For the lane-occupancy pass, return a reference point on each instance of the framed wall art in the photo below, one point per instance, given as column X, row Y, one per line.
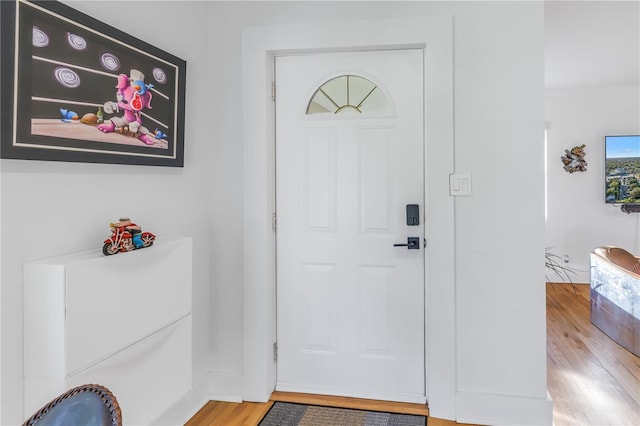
column 73, row 88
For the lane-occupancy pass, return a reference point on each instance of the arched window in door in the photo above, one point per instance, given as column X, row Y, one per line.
column 348, row 94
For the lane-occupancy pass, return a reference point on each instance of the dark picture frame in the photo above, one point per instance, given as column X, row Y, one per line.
column 73, row 88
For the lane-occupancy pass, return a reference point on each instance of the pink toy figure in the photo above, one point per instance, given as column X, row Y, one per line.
column 133, row 95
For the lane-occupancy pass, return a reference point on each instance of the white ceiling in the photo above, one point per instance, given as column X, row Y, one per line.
column 592, row 43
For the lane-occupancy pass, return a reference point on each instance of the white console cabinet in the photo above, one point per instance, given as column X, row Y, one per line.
column 122, row 321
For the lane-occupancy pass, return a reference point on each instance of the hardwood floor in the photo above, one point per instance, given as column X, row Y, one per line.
column 227, row 413
column 218, row 413
column 592, row 379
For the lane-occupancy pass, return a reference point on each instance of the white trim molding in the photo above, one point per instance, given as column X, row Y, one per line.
column 481, row 408
column 434, row 34
column 213, row 386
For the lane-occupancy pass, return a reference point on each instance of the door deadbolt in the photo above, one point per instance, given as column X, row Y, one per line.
column 413, row 215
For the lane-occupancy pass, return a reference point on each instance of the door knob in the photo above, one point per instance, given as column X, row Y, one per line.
column 413, row 243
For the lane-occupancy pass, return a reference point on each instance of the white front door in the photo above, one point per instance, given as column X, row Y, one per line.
column 349, row 159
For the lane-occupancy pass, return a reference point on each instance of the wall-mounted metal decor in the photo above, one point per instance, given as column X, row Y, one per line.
column 574, row 160
column 76, row 89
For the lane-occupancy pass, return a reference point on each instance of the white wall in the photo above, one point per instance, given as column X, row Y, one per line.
column 499, row 230
column 578, row 218
column 499, row 116
column 54, row 208
column 50, row 208
column 500, row 306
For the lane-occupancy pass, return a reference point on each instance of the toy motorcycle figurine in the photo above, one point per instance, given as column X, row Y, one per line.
column 126, row 236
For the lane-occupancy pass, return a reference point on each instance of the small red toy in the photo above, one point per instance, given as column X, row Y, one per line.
column 126, row 236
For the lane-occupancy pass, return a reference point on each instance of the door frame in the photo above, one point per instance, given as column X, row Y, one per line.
column 259, row 48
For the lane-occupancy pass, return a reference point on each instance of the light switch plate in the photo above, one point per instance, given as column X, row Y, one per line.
column 460, row 184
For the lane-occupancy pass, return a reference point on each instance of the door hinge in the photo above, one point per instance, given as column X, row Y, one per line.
column 274, row 221
column 275, row 351
column 273, row 91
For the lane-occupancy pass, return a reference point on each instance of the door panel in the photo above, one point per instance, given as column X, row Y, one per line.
column 320, row 179
column 350, row 305
column 375, row 187
column 321, row 309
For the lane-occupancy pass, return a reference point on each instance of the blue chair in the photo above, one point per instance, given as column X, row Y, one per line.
column 86, row 405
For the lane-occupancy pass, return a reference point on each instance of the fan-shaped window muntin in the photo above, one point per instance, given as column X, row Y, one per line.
column 348, row 94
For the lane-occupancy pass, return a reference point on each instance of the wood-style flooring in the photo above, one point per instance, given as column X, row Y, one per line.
column 592, row 380
column 217, row 413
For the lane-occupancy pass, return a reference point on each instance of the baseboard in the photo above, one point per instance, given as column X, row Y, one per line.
column 226, row 386
column 491, row 409
column 187, row 406
column 213, row 386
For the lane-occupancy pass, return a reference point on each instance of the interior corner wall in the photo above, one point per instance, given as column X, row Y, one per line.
column 578, row 220
column 55, row 208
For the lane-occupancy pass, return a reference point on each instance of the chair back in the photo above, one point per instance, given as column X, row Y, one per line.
column 620, row 257
column 86, row 405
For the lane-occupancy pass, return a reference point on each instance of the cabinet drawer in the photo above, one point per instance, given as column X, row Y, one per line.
column 148, row 377
column 113, row 302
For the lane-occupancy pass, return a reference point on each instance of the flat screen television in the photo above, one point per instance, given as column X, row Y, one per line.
column 622, row 169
